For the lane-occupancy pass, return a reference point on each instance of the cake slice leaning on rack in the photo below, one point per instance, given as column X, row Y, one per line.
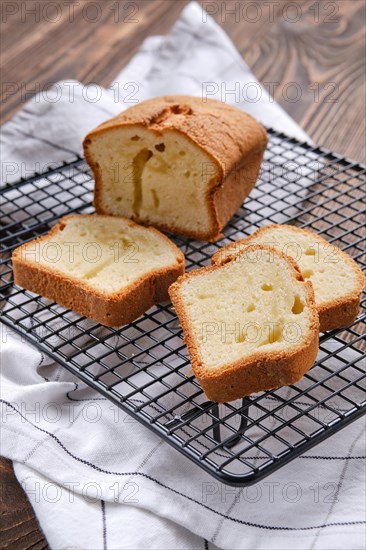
column 337, row 279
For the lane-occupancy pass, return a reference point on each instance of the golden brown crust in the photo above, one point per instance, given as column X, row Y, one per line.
column 229, row 197
column 234, row 140
column 337, row 313
column 111, row 310
column 262, row 370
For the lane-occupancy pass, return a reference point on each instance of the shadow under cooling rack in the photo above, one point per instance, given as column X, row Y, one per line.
column 144, row 368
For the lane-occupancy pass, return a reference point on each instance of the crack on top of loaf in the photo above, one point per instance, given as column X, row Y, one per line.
column 170, row 111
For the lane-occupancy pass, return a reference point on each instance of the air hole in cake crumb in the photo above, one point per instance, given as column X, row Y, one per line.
column 135, row 138
column 160, row 147
column 187, row 174
column 310, row 252
column 181, row 110
column 275, row 335
column 298, row 306
column 118, row 199
column 182, row 153
column 138, row 164
column 155, row 198
column 307, row 273
column 250, row 308
column 267, row 286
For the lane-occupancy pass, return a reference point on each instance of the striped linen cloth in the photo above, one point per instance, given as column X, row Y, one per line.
column 95, row 477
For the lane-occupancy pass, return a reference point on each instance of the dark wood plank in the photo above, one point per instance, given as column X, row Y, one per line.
column 19, row 527
column 74, row 47
column 324, row 54
column 319, row 46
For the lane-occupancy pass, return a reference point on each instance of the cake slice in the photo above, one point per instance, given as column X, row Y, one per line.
column 107, row 268
column 250, row 324
column 337, row 280
column 179, row 163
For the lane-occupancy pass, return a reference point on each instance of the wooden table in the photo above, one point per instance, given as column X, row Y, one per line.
column 309, row 54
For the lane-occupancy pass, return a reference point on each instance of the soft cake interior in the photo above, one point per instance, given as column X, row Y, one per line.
column 157, row 179
column 319, row 262
column 244, row 307
column 106, row 254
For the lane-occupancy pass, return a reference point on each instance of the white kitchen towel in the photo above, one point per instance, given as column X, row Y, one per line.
column 95, row 477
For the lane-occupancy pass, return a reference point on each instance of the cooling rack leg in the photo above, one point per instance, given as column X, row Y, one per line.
column 235, row 439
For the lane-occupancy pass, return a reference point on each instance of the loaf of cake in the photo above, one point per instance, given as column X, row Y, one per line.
column 250, row 324
column 181, row 164
column 337, row 280
column 107, row 268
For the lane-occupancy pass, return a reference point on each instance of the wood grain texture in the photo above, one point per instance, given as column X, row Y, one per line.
column 310, row 54
column 19, row 527
column 319, row 46
column 324, row 54
column 69, row 45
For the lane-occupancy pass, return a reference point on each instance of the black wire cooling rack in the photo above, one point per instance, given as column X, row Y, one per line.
column 143, row 367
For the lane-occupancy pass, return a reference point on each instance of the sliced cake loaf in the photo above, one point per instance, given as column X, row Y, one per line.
column 106, row 268
column 179, row 163
column 249, row 324
column 337, row 280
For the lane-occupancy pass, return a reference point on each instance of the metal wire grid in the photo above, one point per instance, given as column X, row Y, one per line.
column 144, row 368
